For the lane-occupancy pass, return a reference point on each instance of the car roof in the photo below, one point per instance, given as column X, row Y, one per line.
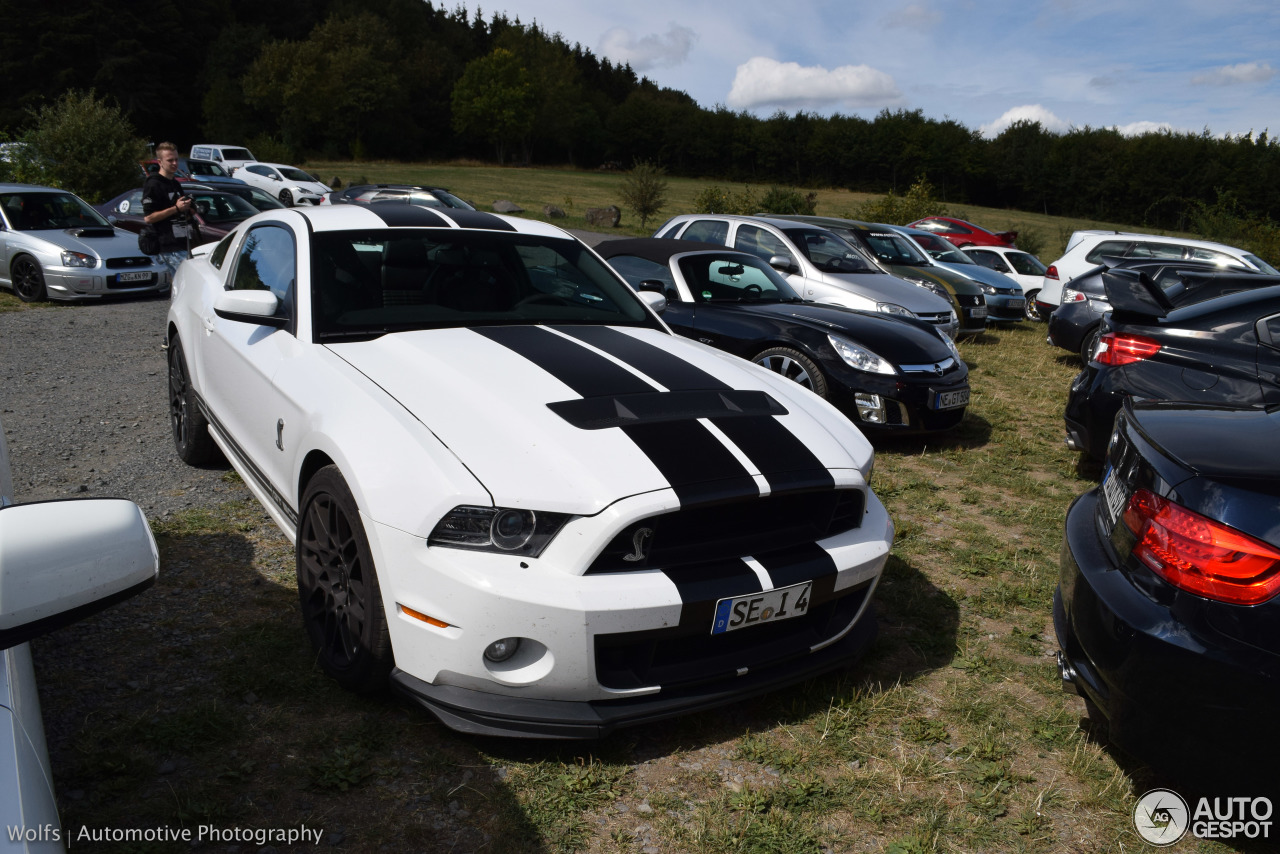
column 660, row 249
column 826, row 221
column 1168, row 238
column 767, row 220
column 392, row 215
column 26, row 188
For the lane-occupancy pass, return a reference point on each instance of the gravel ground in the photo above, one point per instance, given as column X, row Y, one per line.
column 84, row 405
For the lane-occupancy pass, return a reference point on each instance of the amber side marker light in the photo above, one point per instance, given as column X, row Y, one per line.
column 418, row 615
column 1197, row 554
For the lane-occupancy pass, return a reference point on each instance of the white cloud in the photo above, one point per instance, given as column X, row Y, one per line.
column 1233, row 75
column 913, row 16
column 762, row 82
column 1026, row 113
column 647, row 52
column 1139, row 128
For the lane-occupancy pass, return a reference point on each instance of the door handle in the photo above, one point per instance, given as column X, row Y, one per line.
column 209, row 323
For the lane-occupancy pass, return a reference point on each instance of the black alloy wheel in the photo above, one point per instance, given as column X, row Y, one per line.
column 338, row 587
column 795, row 366
column 286, row 198
column 1090, row 341
column 28, row 280
column 191, row 437
column 1029, row 309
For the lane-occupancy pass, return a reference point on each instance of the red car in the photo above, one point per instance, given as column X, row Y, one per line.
column 963, row 233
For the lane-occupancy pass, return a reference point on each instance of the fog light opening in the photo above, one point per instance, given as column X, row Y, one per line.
column 870, row 408
column 501, row 650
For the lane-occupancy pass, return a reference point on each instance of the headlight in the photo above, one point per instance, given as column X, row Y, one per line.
column 78, row 259
column 928, row 286
column 951, row 345
column 989, row 289
column 893, row 308
column 857, row 356
column 497, row 529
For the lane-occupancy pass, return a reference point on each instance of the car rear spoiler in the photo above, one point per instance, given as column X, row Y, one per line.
column 1131, row 292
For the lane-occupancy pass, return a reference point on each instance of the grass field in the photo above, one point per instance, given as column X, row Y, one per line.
column 199, row 702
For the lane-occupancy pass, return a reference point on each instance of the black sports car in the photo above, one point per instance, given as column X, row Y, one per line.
column 1166, row 610
column 1223, row 351
column 1075, row 324
column 887, row 373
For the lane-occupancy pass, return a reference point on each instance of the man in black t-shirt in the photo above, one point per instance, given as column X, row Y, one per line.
column 166, row 210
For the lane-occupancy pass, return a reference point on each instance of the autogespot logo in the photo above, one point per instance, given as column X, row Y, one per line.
column 1161, row 817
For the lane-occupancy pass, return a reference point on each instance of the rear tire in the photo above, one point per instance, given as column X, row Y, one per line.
column 1090, row 341
column 191, row 437
column 28, row 280
column 795, row 366
column 338, row 587
column 1029, row 309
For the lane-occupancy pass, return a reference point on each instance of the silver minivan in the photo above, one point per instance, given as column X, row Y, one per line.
column 230, row 157
column 819, row 264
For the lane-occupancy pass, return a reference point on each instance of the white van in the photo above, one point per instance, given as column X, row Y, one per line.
column 230, row 157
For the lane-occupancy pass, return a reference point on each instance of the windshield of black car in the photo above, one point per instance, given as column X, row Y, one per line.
column 828, row 252
column 365, row 283
column 42, row 211
column 941, row 249
column 217, row 208
column 206, row 167
column 734, row 278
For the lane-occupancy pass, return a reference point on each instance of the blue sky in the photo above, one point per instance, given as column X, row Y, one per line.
column 1131, row 64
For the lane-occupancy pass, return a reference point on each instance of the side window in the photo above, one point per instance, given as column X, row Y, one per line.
column 219, row 253
column 708, row 231
column 1222, row 259
column 991, row 260
column 759, row 242
column 259, row 170
column 1115, row 248
column 1156, row 250
column 636, row 270
column 268, row 262
column 1269, row 330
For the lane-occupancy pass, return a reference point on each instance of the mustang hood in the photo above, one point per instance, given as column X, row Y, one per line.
column 574, row 418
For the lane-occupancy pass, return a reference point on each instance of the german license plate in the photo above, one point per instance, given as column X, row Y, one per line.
column 950, row 399
column 980, row 311
column 756, row 608
column 135, row 276
column 1017, row 302
column 1114, row 499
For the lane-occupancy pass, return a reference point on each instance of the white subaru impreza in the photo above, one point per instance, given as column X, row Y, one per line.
column 514, row 493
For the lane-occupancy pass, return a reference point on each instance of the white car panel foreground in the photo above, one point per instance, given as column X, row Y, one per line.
column 59, row 562
column 515, row 494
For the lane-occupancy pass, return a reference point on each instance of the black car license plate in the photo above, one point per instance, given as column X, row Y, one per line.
column 949, row 399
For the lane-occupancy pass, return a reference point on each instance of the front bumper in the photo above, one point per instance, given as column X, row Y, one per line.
column 905, row 402
column 76, row 283
column 610, row 649
column 1005, row 308
column 1176, row 693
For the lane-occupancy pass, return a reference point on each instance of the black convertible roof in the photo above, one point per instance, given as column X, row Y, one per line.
column 659, row 249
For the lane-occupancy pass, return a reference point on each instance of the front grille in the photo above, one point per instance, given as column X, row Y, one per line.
column 971, row 299
column 686, row 655
column 938, row 319
column 126, row 263
column 731, row 529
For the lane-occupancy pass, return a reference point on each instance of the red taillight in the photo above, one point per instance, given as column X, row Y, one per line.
column 1051, row 273
column 1197, row 554
column 1120, row 349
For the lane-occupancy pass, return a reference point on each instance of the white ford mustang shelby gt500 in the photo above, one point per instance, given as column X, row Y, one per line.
column 513, row 492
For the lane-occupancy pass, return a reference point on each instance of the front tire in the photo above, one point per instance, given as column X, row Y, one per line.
column 190, row 428
column 338, row 587
column 286, row 198
column 28, row 280
column 795, row 366
column 1029, row 309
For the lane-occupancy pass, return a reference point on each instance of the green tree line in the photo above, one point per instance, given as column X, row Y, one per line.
column 410, row 80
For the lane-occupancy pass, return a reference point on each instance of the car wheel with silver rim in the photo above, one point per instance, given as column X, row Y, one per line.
column 1029, row 309
column 28, row 280
column 338, row 587
column 795, row 366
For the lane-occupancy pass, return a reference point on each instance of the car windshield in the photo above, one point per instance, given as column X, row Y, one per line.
column 367, row 283
column 237, row 154
column 295, row 174
column 1027, row 265
column 828, row 252
column 941, row 249
column 1263, row 266
column 43, row 211
column 217, row 208
column 734, row 277
column 204, row 167
column 892, row 248
column 263, row 201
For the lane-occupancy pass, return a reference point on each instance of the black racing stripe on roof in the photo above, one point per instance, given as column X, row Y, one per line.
column 807, row 562
column 587, row 373
column 397, row 215
column 478, row 219
column 784, row 460
column 668, row 370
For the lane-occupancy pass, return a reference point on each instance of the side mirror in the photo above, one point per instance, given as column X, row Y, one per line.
column 654, row 285
column 655, row 301
column 257, row 307
column 782, row 263
column 61, row 561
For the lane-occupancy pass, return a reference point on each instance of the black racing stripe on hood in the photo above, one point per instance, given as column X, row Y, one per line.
column 809, row 562
column 785, row 461
column 589, row 374
column 668, row 370
column 698, row 466
column 478, row 219
column 701, row 586
column 398, row 215
column 625, row 410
